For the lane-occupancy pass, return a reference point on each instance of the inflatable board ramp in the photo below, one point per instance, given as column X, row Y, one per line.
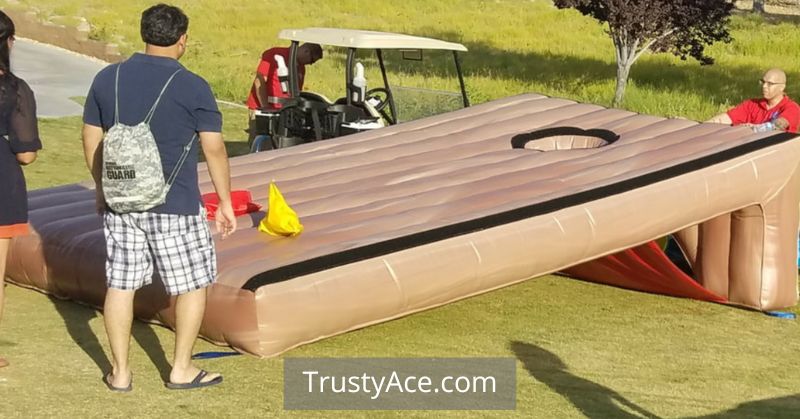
column 417, row 215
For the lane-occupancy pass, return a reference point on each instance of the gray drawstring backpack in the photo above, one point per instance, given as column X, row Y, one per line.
column 133, row 176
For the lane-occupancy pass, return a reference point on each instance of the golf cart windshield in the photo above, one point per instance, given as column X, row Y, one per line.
column 423, row 82
column 409, row 77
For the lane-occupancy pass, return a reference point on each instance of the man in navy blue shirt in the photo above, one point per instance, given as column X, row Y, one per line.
column 173, row 236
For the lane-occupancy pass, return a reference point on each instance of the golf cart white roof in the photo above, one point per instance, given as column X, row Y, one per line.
column 352, row 38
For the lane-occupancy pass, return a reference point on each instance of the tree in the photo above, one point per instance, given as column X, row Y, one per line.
column 682, row 27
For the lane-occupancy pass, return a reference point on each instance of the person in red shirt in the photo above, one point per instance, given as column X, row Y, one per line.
column 774, row 111
column 266, row 84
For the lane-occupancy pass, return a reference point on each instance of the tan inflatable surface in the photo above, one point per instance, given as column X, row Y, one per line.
column 420, row 214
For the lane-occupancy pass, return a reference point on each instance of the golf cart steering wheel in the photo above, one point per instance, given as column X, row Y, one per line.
column 383, row 97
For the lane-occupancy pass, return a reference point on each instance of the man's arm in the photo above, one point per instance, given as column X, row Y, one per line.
column 92, row 136
column 791, row 116
column 781, row 124
column 219, row 170
column 260, row 86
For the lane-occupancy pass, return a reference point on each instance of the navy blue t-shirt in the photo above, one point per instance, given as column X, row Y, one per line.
column 187, row 107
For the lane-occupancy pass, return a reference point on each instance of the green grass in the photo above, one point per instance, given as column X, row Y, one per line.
column 61, row 160
column 582, row 349
column 515, row 46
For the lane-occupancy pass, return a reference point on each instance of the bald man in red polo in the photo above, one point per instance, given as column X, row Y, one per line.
column 773, row 111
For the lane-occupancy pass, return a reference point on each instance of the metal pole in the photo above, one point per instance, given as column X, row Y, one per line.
column 390, row 97
column 461, row 80
column 294, row 90
column 349, row 75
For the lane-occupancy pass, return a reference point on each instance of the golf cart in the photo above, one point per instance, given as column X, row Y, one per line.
column 308, row 116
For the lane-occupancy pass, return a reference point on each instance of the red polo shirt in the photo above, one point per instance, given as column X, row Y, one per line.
column 269, row 69
column 754, row 111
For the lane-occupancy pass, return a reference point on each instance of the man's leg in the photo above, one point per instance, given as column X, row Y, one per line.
column 3, row 256
column 189, row 310
column 128, row 268
column 118, row 317
column 186, row 262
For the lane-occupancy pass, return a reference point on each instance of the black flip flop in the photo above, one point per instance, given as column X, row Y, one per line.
column 196, row 383
column 107, row 381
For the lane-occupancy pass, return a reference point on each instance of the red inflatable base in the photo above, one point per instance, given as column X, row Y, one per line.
column 643, row 268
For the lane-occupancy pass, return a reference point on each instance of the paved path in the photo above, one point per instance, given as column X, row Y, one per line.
column 55, row 75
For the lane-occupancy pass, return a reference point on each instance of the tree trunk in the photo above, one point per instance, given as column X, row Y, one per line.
column 758, row 6
column 623, row 70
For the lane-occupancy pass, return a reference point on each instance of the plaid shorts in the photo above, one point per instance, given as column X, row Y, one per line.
column 180, row 245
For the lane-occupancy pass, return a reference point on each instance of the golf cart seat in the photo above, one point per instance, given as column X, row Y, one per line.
column 313, row 96
column 347, row 113
column 300, row 121
column 344, row 119
column 365, row 107
column 311, row 118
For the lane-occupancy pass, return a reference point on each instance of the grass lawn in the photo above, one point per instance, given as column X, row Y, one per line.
column 583, row 350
